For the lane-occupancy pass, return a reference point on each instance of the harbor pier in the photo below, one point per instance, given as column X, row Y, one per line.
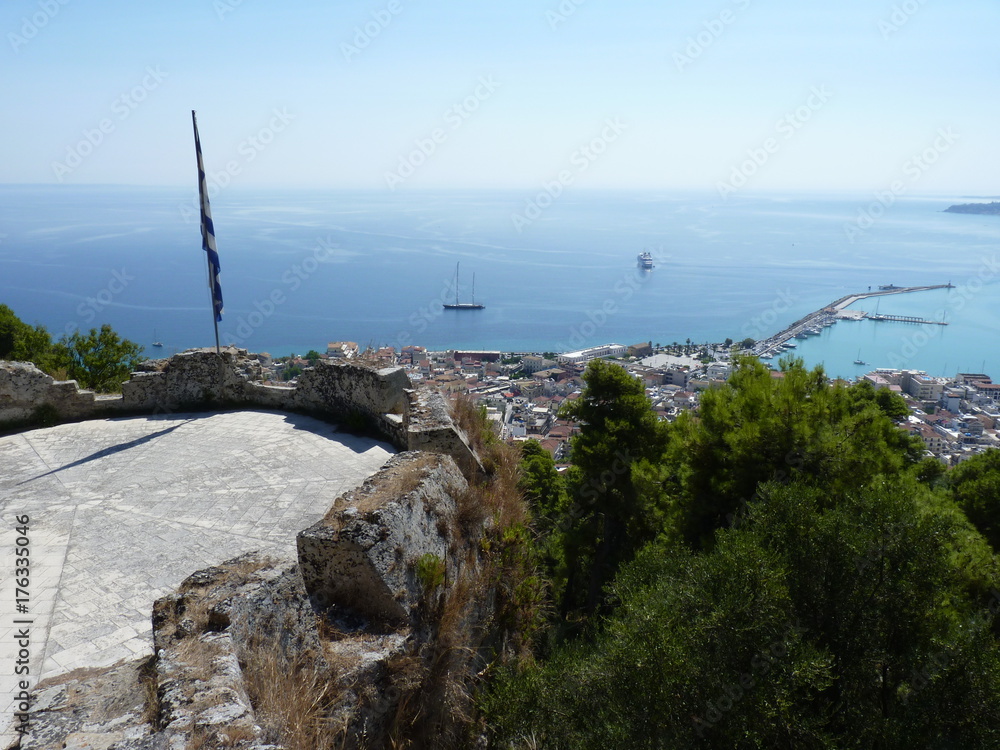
column 814, row 322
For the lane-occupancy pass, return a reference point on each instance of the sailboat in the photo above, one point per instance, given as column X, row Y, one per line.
column 464, row 305
column 155, row 342
column 859, row 361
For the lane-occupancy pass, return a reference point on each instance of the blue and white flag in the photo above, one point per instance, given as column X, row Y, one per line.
column 208, row 229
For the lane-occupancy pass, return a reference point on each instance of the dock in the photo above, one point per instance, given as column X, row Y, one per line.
column 905, row 319
column 812, row 323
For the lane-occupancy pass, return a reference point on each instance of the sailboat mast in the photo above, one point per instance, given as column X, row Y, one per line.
column 474, row 290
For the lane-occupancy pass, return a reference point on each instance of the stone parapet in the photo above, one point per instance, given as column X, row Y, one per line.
column 380, row 401
column 364, row 554
column 24, row 389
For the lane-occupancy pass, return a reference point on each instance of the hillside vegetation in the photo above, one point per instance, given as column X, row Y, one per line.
column 782, row 569
column 976, row 208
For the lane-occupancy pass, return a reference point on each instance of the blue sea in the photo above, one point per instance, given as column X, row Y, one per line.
column 302, row 268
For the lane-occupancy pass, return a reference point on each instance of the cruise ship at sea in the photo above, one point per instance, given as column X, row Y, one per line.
column 645, row 259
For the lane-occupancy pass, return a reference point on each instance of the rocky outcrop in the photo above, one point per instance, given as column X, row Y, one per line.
column 329, row 648
column 92, row 708
column 364, row 554
column 430, row 428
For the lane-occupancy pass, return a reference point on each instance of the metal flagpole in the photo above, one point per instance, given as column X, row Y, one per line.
column 208, row 238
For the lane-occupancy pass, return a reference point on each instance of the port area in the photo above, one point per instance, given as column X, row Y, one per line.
column 813, row 323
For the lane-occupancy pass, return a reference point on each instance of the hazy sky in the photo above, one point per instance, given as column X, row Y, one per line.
column 410, row 94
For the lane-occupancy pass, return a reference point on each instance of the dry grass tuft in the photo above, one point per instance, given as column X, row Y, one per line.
column 471, row 420
column 488, row 597
column 197, row 655
column 203, row 738
column 391, row 484
column 294, row 700
column 150, row 694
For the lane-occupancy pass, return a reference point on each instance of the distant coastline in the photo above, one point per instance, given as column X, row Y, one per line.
column 992, row 209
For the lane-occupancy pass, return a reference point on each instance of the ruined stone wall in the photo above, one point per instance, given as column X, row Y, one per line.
column 24, row 389
column 363, row 555
column 381, row 401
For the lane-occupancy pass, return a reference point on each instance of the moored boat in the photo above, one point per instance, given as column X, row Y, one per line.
column 464, row 305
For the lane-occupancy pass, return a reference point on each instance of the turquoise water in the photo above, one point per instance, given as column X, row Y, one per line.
column 301, row 268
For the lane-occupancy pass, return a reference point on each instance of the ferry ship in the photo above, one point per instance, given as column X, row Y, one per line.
column 645, row 260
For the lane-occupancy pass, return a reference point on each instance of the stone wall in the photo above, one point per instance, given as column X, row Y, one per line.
column 24, row 389
column 363, row 554
column 382, row 401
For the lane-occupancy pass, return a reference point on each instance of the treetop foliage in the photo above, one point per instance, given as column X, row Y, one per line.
column 99, row 359
column 780, row 569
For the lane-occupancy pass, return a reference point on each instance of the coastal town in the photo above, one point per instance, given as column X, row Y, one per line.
column 955, row 417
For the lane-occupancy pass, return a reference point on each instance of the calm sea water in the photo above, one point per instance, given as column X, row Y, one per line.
column 302, row 268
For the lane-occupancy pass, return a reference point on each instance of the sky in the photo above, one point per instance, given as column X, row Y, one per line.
column 858, row 95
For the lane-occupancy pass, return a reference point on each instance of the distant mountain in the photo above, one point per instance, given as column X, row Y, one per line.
column 976, row 208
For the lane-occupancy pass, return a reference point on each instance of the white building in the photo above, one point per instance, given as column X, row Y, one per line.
column 719, row 370
column 341, row 349
column 595, row 352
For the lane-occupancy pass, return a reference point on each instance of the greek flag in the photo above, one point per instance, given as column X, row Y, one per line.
column 208, row 229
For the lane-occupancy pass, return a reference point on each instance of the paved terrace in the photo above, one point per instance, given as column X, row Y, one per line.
column 122, row 510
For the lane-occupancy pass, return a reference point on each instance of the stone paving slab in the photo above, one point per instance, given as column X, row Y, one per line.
column 122, row 510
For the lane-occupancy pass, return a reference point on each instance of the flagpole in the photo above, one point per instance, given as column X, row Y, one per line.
column 208, row 238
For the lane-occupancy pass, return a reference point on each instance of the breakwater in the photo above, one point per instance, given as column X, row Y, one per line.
column 813, row 323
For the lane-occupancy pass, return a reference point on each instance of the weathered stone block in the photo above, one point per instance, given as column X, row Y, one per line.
column 363, row 554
